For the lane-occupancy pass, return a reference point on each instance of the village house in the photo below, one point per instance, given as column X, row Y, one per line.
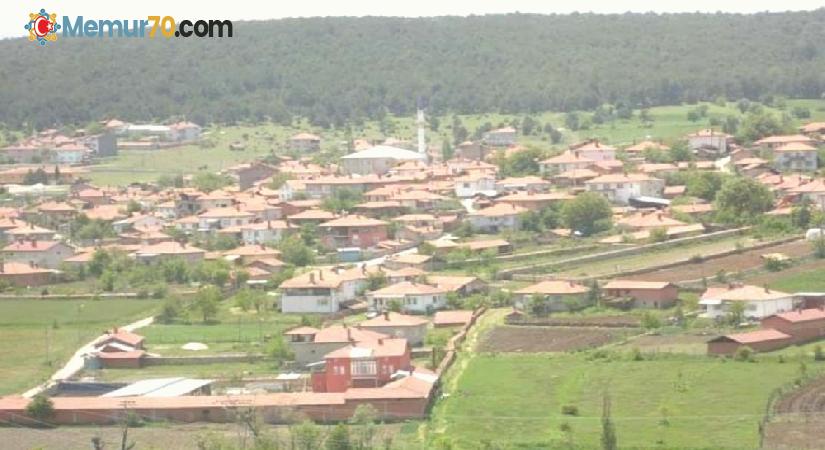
column 378, row 160
column 246, row 254
column 620, row 188
column 595, row 151
column 501, row 137
column 640, row 148
column 48, row 254
column 263, row 232
column 213, row 200
column 759, row 302
column 362, row 365
column 411, row 328
column 322, row 290
column 474, row 151
column 311, row 217
column 499, row 217
column 453, row 318
column 217, row 218
column 774, row 142
column 644, row 294
column 528, row 183
column 309, row 345
column 797, row 156
column 410, row 296
column 162, row 251
column 24, row 274
column 565, row 162
column 554, row 295
column 813, row 128
column 478, row 183
column 709, row 141
column 304, row 143
column 353, row 231
column 534, row 201
column 247, row 174
column 461, row 285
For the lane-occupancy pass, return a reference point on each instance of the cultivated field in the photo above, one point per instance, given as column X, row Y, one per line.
column 546, row 339
column 656, row 404
column 38, row 336
column 732, row 263
column 806, row 277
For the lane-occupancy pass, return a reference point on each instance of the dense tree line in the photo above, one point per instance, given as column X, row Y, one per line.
column 335, row 70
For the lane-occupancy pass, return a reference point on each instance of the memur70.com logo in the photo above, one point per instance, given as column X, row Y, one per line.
column 43, row 27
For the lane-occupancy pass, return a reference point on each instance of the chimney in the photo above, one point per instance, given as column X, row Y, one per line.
column 321, row 275
column 269, row 224
column 311, row 278
column 380, row 341
column 765, row 286
column 2, row 266
column 386, row 315
column 349, row 335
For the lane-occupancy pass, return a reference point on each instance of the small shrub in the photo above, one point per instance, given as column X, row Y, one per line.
column 570, row 410
column 744, row 354
column 636, row 355
column 819, row 355
column 696, row 259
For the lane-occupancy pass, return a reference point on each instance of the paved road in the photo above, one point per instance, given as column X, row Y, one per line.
column 75, row 363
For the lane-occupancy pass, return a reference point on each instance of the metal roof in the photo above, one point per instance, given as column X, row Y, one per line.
column 160, row 387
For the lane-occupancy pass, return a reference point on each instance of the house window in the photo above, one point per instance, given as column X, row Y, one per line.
column 322, row 302
column 363, row 368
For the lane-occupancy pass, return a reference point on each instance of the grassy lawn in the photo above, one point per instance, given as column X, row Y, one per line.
column 234, row 331
column 706, row 403
column 813, row 281
column 38, row 336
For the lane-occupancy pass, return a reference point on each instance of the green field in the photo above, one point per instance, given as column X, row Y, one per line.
column 813, row 281
column 673, row 402
column 669, row 123
column 38, row 336
column 234, row 331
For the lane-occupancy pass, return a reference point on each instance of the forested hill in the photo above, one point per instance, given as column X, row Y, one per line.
column 336, row 69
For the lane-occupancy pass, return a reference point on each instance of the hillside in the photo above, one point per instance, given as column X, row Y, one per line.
column 336, row 69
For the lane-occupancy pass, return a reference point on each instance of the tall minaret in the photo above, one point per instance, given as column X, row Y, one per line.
column 421, row 122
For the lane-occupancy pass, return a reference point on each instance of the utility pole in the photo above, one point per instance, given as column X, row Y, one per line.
column 124, row 439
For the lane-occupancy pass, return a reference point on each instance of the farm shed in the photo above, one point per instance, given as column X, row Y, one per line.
column 761, row 340
column 645, row 294
column 802, row 325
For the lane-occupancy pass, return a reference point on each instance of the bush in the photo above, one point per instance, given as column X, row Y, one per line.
column 636, row 355
column 819, row 355
column 40, row 408
column 570, row 410
column 744, row 354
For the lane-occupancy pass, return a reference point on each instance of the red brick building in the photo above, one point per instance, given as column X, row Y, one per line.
column 645, row 294
column 802, row 325
column 761, row 341
column 362, row 365
column 353, row 231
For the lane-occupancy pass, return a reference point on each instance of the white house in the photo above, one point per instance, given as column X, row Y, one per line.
column 620, row 188
column 378, row 160
column 759, row 301
column 48, row 254
column 477, row 183
column 321, row 291
column 261, row 232
column 708, row 139
column 224, row 218
column 412, row 296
